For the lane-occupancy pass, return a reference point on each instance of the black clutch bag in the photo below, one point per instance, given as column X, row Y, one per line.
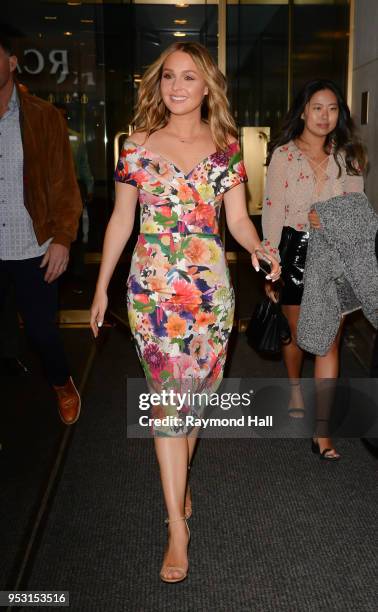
column 268, row 328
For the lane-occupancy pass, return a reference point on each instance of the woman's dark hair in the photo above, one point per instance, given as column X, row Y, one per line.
column 341, row 139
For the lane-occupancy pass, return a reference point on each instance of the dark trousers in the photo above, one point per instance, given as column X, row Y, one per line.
column 37, row 302
column 9, row 331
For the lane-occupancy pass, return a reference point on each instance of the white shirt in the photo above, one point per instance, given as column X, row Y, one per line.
column 17, row 237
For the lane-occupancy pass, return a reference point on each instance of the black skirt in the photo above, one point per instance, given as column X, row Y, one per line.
column 293, row 250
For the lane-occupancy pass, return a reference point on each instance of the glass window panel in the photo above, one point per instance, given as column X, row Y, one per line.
column 60, row 54
column 320, row 42
column 257, row 62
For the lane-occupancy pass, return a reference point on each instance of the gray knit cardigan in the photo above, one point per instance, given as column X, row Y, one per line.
column 341, row 273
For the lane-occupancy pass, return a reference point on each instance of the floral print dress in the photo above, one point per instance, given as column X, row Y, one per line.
column 180, row 299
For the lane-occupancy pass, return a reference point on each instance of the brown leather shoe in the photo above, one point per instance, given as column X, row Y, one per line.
column 69, row 402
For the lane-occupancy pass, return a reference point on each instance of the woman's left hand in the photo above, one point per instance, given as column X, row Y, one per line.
column 275, row 272
column 314, row 219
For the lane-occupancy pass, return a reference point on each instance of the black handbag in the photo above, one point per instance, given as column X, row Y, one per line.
column 268, row 328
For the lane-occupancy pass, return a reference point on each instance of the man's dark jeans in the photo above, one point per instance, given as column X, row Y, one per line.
column 37, row 302
column 9, row 331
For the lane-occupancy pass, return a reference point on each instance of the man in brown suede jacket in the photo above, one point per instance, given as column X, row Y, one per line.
column 40, row 207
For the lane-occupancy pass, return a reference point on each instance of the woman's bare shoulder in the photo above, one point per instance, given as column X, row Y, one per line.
column 138, row 137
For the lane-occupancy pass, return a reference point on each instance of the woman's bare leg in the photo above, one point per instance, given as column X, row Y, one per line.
column 173, row 456
column 293, row 358
column 192, row 441
column 327, row 368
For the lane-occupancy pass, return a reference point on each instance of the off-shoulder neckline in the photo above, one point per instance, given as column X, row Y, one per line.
column 170, row 162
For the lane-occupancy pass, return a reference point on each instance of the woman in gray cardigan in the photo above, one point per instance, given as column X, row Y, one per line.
column 314, row 158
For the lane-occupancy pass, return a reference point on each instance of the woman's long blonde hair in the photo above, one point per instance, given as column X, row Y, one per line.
column 151, row 114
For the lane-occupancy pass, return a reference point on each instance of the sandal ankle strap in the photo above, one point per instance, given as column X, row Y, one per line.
column 168, row 520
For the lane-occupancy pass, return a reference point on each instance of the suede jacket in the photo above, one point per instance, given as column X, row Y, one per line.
column 51, row 193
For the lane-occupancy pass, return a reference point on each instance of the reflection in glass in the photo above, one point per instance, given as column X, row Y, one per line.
column 257, row 62
column 320, row 43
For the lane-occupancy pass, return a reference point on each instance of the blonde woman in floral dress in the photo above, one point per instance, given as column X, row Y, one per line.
column 182, row 162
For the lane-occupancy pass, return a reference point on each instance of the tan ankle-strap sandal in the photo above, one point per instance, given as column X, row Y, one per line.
column 166, row 569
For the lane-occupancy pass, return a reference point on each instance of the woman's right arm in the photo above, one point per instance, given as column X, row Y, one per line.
column 273, row 211
column 117, row 234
